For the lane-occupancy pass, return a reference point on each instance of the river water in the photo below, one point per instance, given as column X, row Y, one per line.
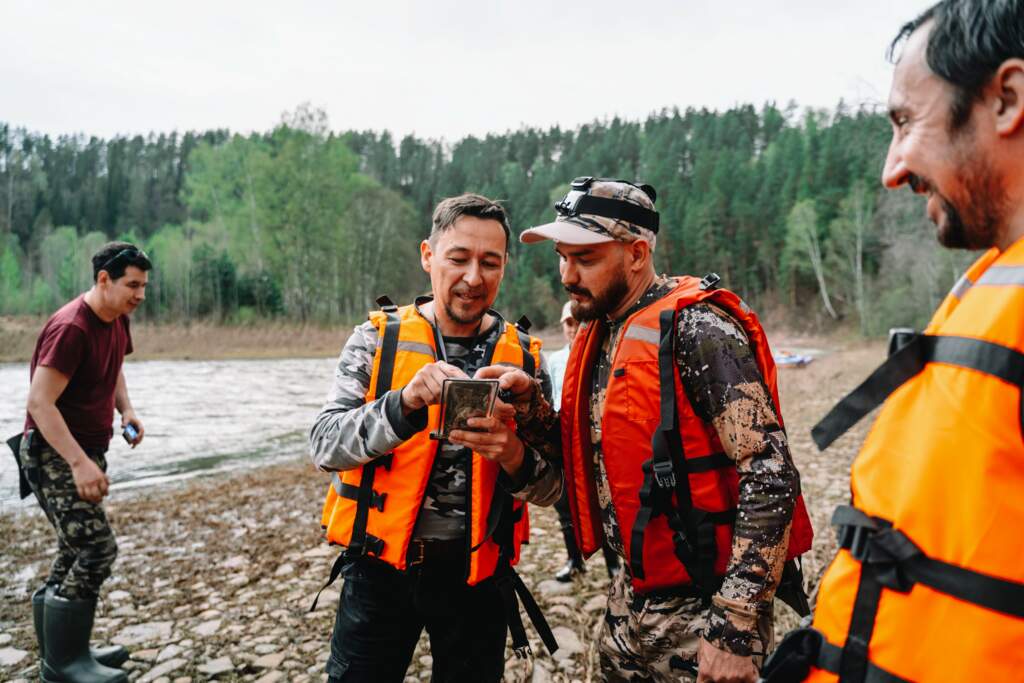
column 200, row 417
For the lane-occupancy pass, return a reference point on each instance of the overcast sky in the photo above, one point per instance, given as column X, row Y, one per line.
column 436, row 68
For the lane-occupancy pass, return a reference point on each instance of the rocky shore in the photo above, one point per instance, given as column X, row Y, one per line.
column 216, row 575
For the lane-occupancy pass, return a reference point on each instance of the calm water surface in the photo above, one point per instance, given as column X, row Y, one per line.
column 200, row 417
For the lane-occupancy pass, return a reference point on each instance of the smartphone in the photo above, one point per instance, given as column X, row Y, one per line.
column 130, row 433
column 462, row 399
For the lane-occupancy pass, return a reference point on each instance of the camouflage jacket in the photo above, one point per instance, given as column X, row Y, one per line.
column 720, row 376
column 349, row 432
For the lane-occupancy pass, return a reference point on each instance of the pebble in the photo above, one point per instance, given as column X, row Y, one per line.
column 5, row 638
column 540, row 675
column 162, row 670
column 207, row 628
column 568, row 643
column 10, row 656
column 143, row 633
column 552, row 587
column 270, row 677
column 271, row 661
column 169, row 652
column 236, row 562
column 215, row 667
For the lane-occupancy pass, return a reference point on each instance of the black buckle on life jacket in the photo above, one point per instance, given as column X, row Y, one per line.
column 710, row 282
column 373, row 545
column 664, row 474
column 524, row 324
column 386, row 304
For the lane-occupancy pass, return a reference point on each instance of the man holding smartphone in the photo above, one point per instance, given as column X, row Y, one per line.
column 76, row 383
column 431, row 529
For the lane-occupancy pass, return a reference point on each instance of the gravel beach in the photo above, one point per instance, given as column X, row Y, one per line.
column 216, row 574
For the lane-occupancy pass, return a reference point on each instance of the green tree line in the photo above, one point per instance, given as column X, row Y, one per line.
column 310, row 224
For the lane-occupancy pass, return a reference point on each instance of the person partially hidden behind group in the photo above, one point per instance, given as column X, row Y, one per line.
column 556, row 366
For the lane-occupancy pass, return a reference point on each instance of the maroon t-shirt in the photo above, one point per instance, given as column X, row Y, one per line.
column 76, row 343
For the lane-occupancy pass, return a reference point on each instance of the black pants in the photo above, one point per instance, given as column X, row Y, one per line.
column 611, row 560
column 382, row 612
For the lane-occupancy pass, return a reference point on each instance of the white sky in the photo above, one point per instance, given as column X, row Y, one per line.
column 437, row 68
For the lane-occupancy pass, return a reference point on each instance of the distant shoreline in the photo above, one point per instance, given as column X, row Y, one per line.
column 209, row 341
column 195, row 341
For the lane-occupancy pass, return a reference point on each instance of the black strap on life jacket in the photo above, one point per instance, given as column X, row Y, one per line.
column 362, row 543
column 529, row 364
column 511, row 586
column 990, row 358
column 890, row 560
column 803, row 648
column 667, row 473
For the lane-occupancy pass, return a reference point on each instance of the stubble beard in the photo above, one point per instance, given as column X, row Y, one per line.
column 977, row 215
column 602, row 303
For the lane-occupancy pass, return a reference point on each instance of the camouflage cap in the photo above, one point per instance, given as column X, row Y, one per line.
column 587, row 228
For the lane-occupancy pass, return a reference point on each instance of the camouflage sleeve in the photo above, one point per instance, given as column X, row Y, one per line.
column 539, row 480
column 537, row 423
column 349, row 432
column 725, row 385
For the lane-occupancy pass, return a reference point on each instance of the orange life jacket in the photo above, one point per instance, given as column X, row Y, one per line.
column 928, row 584
column 373, row 509
column 673, row 489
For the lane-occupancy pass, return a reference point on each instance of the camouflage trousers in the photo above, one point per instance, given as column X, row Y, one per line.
column 86, row 548
column 653, row 639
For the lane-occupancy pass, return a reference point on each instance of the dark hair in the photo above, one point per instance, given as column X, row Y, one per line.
column 475, row 205
column 115, row 257
column 967, row 43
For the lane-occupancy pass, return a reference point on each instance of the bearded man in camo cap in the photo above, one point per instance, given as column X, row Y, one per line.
column 673, row 444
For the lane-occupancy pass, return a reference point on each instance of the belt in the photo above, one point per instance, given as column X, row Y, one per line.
column 427, row 549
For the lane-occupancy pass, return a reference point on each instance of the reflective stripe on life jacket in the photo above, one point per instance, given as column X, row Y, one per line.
column 674, row 491
column 928, row 584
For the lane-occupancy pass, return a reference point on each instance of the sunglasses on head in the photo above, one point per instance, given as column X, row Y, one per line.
column 129, row 252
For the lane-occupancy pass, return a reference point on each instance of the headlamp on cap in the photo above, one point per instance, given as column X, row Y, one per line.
column 578, row 201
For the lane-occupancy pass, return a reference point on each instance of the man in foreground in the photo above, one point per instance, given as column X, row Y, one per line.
column 430, row 528
column 928, row 584
column 674, row 448
column 76, row 383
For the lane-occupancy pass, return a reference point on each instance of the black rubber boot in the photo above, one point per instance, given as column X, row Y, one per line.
column 572, row 569
column 67, row 626
column 113, row 655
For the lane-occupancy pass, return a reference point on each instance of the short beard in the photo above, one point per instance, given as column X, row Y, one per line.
column 601, row 305
column 461, row 320
column 983, row 201
column 978, row 226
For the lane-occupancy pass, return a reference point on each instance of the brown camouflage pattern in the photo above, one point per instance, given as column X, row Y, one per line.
column 86, row 548
column 720, row 376
column 726, row 388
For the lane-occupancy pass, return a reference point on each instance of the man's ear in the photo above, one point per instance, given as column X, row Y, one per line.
column 103, row 278
column 425, row 253
column 640, row 252
column 1008, row 89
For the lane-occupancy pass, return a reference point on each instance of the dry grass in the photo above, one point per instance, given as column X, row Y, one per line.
column 200, row 340
column 210, row 341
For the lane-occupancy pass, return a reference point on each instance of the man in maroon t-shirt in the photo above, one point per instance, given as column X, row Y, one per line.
column 77, row 383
